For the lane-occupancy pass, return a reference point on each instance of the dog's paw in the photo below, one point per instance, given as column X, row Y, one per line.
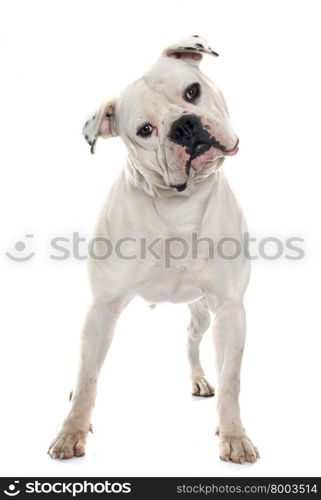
column 237, row 448
column 201, row 387
column 68, row 444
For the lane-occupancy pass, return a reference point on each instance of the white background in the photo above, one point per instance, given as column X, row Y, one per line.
column 59, row 59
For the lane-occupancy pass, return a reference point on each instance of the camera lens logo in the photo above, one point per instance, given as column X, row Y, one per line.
column 12, row 489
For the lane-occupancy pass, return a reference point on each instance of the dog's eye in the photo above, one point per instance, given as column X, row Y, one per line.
column 146, row 130
column 192, row 92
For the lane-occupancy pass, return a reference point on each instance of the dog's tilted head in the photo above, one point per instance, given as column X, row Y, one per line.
column 174, row 121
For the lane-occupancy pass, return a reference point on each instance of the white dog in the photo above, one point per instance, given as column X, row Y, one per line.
column 171, row 195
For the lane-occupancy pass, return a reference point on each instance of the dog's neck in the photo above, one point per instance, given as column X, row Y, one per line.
column 183, row 211
column 186, row 213
column 153, row 183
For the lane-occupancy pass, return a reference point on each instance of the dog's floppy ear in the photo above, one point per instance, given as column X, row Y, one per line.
column 190, row 49
column 101, row 123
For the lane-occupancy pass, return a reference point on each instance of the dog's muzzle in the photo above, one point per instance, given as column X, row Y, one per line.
column 189, row 132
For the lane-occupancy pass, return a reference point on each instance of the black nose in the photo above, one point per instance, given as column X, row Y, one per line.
column 187, row 131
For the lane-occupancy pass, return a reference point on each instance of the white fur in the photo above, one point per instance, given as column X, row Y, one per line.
column 142, row 205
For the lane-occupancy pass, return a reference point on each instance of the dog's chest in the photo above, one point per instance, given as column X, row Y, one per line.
column 179, row 283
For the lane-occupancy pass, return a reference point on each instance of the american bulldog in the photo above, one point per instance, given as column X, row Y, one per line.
column 171, row 192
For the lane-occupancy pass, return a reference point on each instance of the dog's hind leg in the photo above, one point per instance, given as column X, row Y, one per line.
column 200, row 322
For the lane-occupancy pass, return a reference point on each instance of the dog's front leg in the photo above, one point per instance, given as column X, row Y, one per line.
column 229, row 338
column 96, row 339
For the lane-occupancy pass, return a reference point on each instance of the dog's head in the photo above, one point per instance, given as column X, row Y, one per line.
column 174, row 121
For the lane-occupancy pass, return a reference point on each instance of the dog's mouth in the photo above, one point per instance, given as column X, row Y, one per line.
column 200, row 148
column 204, row 152
column 234, row 150
column 198, row 145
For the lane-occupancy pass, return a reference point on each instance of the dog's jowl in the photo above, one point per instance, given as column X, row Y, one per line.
column 175, row 125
